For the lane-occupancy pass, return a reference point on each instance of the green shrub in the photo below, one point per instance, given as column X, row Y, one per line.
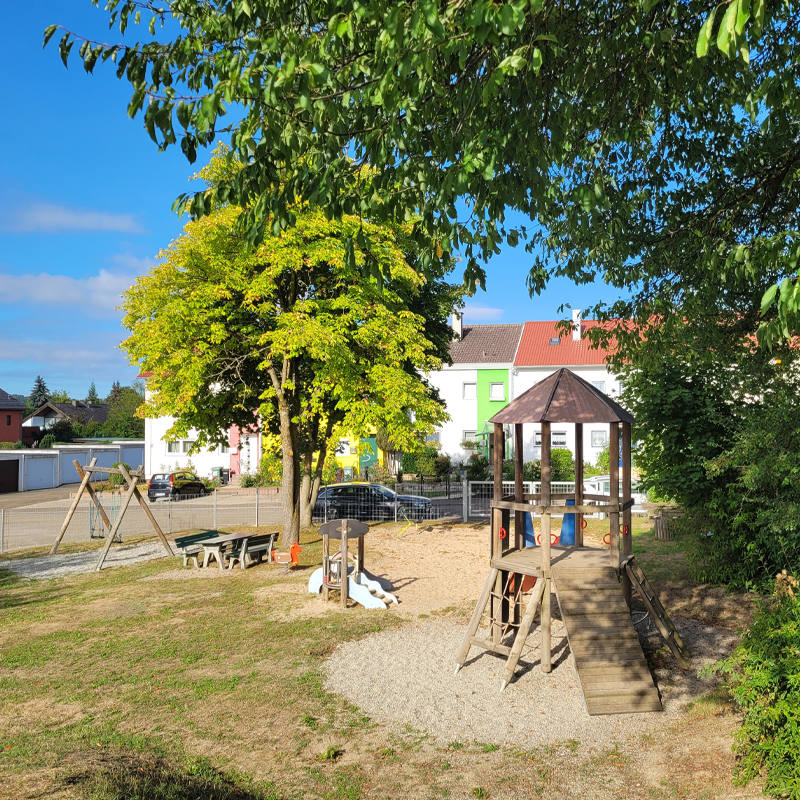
column 12, row 446
column 562, row 465
column 410, row 461
column 118, row 480
column 48, row 440
column 764, row 678
column 532, row 470
column 478, row 468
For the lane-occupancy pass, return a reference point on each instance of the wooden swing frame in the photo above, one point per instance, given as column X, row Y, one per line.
column 131, row 479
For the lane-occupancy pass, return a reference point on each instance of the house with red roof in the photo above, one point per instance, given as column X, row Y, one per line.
column 494, row 364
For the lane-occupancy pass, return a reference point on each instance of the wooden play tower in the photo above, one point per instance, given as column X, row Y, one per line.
column 593, row 586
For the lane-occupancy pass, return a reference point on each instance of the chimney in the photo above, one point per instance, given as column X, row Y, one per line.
column 75, row 403
column 576, row 325
column 458, row 326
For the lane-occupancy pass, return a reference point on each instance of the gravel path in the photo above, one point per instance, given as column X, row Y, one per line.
column 404, row 677
column 75, row 563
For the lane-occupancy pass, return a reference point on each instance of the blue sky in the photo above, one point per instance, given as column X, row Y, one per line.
column 85, row 201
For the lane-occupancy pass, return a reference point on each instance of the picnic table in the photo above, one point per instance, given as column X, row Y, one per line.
column 237, row 547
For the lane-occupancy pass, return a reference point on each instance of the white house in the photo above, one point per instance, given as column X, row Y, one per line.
column 494, row 364
column 163, row 456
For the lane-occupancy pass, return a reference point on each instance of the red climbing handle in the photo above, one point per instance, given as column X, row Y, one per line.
column 503, row 533
column 584, row 523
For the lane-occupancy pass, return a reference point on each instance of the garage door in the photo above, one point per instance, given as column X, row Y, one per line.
column 41, row 472
column 9, row 476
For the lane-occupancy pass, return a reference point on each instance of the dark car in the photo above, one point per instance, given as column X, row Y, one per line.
column 368, row 501
column 175, row 485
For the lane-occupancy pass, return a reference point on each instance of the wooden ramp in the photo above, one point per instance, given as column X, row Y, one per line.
column 609, row 660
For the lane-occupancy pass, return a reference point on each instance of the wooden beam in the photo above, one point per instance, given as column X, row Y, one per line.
column 84, row 482
column 113, row 532
column 613, row 473
column 519, row 485
column 627, row 517
column 578, row 483
column 129, row 476
column 113, row 470
column 344, row 566
column 510, row 505
column 546, row 652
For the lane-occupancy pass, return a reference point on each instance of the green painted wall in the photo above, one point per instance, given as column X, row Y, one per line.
column 488, row 408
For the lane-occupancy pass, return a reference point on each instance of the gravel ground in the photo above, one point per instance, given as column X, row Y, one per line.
column 404, row 677
column 74, row 563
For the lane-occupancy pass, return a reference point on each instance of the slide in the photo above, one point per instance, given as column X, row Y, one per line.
column 367, row 589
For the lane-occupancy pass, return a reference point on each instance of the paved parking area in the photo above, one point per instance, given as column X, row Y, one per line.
column 20, row 499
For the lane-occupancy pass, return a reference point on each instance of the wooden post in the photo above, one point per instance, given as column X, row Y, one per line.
column 113, row 532
column 627, row 515
column 497, row 523
column 579, row 482
column 613, row 474
column 326, row 567
column 134, row 476
column 85, row 480
column 343, row 566
column 360, row 556
column 519, row 486
column 545, row 501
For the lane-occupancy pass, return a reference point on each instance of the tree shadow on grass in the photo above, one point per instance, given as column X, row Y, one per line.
column 125, row 776
column 34, row 594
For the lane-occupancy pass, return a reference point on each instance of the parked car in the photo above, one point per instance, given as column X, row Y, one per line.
column 174, row 485
column 368, row 501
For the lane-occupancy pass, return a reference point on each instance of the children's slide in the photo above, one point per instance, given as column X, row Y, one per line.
column 364, row 588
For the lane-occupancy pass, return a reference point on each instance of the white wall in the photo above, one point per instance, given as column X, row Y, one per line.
column 463, row 413
column 157, row 459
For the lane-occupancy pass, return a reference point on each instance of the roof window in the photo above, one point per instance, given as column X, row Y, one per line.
column 555, row 340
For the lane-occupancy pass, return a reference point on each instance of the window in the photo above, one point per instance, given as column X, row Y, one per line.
column 470, row 391
column 600, row 385
column 470, row 436
column 8, row 419
column 225, row 448
column 599, row 438
column 621, row 387
column 497, row 391
column 173, row 447
column 434, row 437
column 557, row 439
column 187, row 445
column 555, row 340
column 343, row 447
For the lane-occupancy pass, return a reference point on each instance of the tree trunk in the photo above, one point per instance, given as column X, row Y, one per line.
column 290, row 486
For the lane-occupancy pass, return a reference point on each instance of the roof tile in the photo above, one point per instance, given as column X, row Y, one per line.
column 486, row 344
column 535, row 349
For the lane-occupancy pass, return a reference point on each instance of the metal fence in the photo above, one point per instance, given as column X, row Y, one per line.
column 38, row 525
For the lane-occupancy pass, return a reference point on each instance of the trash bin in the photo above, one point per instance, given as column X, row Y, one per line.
column 222, row 474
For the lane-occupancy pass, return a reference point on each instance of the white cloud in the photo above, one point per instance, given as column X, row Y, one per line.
column 96, row 295
column 53, row 218
column 63, row 358
column 482, row 314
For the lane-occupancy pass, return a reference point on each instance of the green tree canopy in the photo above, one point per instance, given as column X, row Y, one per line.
column 290, row 329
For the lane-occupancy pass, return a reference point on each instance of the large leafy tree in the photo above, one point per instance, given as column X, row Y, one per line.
column 289, row 328
column 654, row 153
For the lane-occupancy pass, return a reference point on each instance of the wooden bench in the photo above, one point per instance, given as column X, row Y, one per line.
column 189, row 547
column 254, row 548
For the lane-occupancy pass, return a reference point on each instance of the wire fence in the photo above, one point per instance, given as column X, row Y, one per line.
column 38, row 525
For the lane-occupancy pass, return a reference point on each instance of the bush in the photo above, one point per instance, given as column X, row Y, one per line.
column 118, row 480
column 562, row 465
column 47, row 441
column 478, row 468
column 748, row 529
column 532, row 470
column 763, row 677
column 12, row 446
column 410, row 461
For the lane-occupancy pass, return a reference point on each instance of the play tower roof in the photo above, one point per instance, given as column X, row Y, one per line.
column 562, row 397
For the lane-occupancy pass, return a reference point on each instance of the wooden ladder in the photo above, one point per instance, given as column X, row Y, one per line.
column 498, row 631
column 650, row 599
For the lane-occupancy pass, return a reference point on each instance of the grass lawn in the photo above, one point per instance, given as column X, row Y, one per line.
column 139, row 683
